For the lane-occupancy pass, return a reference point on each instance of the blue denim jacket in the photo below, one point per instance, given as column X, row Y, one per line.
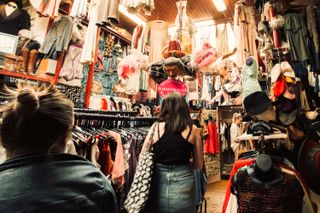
column 54, row 183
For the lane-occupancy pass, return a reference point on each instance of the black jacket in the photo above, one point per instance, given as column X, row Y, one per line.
column 54, row 183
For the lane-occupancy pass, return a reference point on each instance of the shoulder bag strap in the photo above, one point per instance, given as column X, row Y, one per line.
column 151, row 140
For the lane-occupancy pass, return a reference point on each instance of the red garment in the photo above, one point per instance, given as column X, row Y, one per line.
column 212, row 143
column 236, row 166
column 279, row 87
column 105, row 159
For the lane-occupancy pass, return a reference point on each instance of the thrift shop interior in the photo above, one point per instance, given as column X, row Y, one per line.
column 160, row 106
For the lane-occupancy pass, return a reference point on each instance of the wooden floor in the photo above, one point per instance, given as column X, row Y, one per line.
column 215, row 196
column 216, row 192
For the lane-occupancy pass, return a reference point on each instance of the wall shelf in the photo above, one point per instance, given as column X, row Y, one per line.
column 115, row 33
column 41, row 77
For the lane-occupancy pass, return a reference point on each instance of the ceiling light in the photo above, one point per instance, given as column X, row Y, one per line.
column 220, row 5
column 132, row 17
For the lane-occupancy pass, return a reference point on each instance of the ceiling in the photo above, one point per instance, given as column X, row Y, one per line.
column 197, row 10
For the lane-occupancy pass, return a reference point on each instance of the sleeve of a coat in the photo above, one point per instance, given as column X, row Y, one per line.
column 67, row 35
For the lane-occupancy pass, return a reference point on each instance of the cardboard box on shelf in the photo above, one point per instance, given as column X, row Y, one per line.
column 47, row 66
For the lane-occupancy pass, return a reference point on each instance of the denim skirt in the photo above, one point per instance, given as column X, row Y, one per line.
column 172, row 189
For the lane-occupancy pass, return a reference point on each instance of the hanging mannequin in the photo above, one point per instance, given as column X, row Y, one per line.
column 13, row 18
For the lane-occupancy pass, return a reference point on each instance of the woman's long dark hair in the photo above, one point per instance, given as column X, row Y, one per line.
column 175, row 113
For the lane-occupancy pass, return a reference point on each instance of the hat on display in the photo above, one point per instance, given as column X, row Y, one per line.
column 290, row 92
column 286, row 105
column 289, row 79
column 275, row 73
column 287, row 70
column 173, row 50
column 284, row 68
column 259, row 128
column 279, row 87
column 287, row 118
column 256, row 103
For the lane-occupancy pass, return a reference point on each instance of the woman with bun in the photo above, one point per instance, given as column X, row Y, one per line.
column 37, row 176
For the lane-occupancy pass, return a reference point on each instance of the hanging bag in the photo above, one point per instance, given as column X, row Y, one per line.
column 139, row 191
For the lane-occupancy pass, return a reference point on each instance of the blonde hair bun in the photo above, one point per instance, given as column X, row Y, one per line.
column 27, row 102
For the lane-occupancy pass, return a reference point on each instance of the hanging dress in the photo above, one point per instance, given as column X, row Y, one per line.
column 108, row 12
column 72, row 68
column 79, row 8
column 212, row 144
column 49, row 8
column 89, row 45
column 245, row 30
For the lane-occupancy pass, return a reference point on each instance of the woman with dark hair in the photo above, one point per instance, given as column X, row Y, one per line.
column 175, row 139
column 37, row 176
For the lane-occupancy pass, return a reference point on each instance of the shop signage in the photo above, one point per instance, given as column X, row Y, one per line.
column 171, row 85
column 12, row 81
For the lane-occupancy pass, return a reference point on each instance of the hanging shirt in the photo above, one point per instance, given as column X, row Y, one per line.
column 296, row 34
column 79, row 8
column 49, row 8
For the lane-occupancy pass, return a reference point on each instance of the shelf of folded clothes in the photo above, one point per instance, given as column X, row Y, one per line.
column 41, row 77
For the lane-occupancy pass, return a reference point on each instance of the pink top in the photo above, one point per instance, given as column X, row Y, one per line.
column 118, row 171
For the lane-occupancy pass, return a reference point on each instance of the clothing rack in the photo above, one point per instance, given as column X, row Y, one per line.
column 111, row 119
column 93, row 111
